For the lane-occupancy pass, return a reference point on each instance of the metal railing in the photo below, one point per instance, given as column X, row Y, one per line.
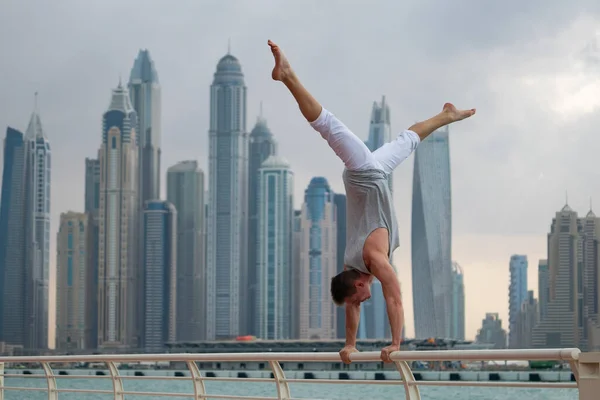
column 585, row 367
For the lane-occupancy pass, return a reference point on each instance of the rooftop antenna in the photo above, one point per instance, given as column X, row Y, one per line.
column 566, row 197
column 35, row 102
column 229, row 46
column 261, row 110
column 120, row 84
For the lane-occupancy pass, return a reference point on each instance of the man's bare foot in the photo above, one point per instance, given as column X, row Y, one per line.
column 456, row 115
column 283, row 69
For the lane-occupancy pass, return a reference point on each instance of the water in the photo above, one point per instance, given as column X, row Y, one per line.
column 267, row 389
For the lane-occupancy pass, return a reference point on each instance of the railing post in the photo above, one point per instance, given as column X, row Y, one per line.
column 52, row 393
column 199, row 388
column 283, row 389
column 116, row 379
column 410, row 388
column 1, row 381
column 589, row 376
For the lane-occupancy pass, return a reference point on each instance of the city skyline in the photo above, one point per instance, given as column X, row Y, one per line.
column 522, row 226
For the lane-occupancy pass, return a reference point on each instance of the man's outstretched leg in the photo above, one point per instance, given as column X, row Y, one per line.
column 348, row 147
column 391, row 154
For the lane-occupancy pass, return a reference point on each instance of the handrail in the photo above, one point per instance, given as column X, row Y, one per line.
column 585, row 368
column 367, row 356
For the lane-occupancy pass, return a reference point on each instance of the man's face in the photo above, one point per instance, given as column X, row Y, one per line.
column 363, row 291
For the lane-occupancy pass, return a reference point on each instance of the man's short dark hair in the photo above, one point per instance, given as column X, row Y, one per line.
column 342, row 285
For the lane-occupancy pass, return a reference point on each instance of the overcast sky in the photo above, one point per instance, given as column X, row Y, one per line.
column 531, row 68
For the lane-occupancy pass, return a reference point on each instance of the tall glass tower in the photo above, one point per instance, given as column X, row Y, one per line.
column 431, row 237
column 274, row 263
column 118, row 262
column 228, row 203
column 37, row 233
column 517, row 294
column 262, row 145
column 185, row 190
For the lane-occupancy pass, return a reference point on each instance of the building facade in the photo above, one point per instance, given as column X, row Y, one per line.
column 543, row 287
column 75, row 295
column 262, row 146
column 12, row 240
column 274, row 263
column 457, row 323
column 318, row 263
column 528, row 318
column 92, row 208
column 227, row 239
column 491, row 331
column 185, row 190
column 118, row 285
column 160, row 283
column 431, row 234
column 380, row 130
column 296, row 288
column 517, row 294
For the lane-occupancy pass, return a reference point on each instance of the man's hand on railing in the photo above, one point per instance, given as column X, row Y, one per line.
column 385, row 353
column 345, row 353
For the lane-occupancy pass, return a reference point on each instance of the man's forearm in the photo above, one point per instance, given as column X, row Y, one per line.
column 352, row 320
column 396, row 316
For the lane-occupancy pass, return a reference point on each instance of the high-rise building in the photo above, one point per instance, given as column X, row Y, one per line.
column 340, row 211
column 75, row 295
column 432, row 237
column 12, row 241
column 543, row 287
column 527, row 319
column 25, row 226
column 318, row 262
column 37, row 234
column 160, row 284
column 118, row 302
column 380, row 130
column 563, row 321
column 228, row 203
column 262, row 146
column 145, row 95
column 274, row 263
column 457, row 323
column 491, row 331
column 296, row 273
column 92, row 208
column 185, row 190
column 517, row 294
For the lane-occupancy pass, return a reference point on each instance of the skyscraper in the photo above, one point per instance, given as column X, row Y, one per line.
column 340, row 211
column 145, row 95
column 118, row 304
column 457, row 323
column 274, row 263
column 262, row 145
column 380, row 129
column 185, row 190
column 318, row 262
column 562, row 323
column 543, row 287
column 12, row 240
column 37, row 233
column 295, row 290
column 92, row 209
column 528, row 318
column 517, row 294
column 74, row 283
column 160, row 283
column 431, row 236
column 228, row 204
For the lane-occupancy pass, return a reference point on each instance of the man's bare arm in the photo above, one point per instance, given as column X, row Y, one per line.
column 352, row 320
column 393, row 298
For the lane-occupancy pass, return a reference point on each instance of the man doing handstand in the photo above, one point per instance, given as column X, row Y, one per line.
column 372, row 229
